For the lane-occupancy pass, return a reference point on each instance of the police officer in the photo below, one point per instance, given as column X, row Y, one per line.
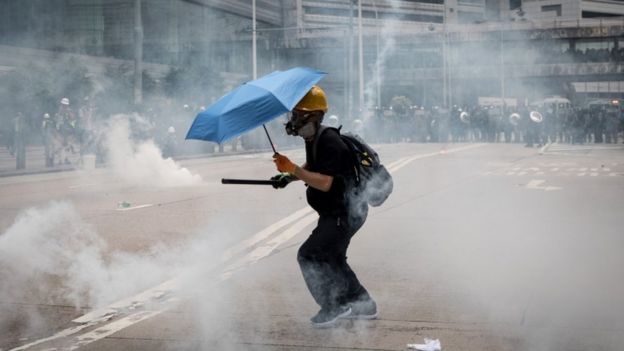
column 48, row 129
column 329, row 174
column 66, row 124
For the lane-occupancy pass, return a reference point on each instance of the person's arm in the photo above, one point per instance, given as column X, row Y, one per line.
column 305, row 167
column 316, row 180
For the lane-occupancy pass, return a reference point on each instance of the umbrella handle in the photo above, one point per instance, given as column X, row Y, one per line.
column 268, row 136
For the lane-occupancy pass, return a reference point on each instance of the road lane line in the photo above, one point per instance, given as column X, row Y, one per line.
column 112, row 328
column 63, row 333
column 266, row 249
column 302, row 219
column 265, row 233
column 134, row 207
column 441, row 152
column 81, row 185
column 167, row 287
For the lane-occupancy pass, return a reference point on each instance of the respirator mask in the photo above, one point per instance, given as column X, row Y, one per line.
column 300, row 123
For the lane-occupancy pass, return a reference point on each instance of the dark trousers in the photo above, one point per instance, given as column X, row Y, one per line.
column 323, row 262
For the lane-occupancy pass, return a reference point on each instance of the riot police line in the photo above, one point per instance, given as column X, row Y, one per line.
column 530, row 125
column 69, row 133
column 78, row 129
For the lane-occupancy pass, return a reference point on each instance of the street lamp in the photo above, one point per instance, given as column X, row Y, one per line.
column 253, row 40
column 360, row 59
column 138, row 54
column 377, row 61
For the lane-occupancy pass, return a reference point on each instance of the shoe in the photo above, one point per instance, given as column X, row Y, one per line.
column 327, row 318
column 366, row 309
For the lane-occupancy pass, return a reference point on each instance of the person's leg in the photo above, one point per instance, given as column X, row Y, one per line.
column 355, row 295
column 321, row 258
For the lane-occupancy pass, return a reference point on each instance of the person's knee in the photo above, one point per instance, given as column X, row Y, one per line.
column 304, row 255
column 309, row 254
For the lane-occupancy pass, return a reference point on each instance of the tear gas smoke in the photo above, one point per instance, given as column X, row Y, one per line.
column 51, row 255
column 141, row 162
column 387, row 37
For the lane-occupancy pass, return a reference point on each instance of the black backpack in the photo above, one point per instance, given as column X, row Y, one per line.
column 373, row 181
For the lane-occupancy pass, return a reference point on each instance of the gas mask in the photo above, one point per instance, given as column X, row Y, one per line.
column 301, row 124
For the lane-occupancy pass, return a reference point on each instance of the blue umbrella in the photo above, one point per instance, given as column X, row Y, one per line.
column 253, row 104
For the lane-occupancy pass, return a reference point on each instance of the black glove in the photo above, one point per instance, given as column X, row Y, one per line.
column 281, row 180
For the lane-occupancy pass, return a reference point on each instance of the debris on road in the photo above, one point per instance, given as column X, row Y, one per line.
column 429, row 345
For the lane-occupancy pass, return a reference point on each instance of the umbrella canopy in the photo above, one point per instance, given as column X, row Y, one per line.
column 253, row 104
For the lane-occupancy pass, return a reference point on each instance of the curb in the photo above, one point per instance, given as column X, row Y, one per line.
column 22, row 172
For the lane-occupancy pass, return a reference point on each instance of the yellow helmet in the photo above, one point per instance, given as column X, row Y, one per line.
column 314, row 100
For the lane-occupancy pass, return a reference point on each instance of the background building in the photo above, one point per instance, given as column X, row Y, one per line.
column 435, row 52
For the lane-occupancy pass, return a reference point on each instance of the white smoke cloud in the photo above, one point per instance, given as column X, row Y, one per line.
column 52, row 254
column 386, row 32
column 141, row 162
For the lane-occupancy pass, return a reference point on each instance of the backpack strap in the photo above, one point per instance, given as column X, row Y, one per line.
column 322, row 129
column 348, row 143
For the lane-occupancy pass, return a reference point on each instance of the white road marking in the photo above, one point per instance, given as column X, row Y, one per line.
column 151, row 294
column 511, row 173
column 606, row 169
column 81, row 185
column 134, row 207
column 544, row 148
column 266, row 249
column 522, row 173
column 582, row 174
column 539, row 173
column 112, row 328
column 265, row 233
column 537, row 184
column 554, row 169
column 441, row 152
column 155, row 293
column 594, row 174
column 612, row 174
column 61, row 334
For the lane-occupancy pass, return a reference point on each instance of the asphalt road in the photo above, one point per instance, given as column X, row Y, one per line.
column 482, row 246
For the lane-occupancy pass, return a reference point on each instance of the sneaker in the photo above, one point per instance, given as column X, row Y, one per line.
column 328, row 318
column 366, row 309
